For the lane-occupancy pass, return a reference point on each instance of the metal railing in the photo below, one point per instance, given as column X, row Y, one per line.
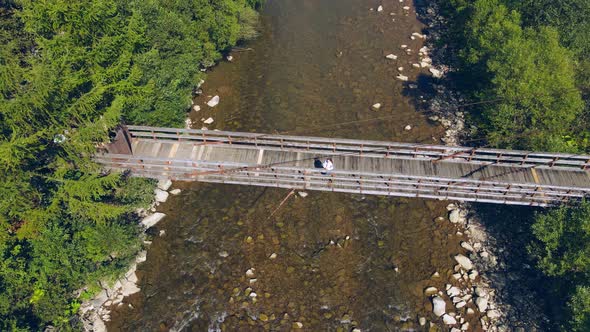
column 332, row 146
column 343, row 181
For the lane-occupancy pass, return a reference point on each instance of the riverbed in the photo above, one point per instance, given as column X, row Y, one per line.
column 246, row 258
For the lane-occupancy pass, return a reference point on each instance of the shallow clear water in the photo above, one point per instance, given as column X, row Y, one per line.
column 341, row 260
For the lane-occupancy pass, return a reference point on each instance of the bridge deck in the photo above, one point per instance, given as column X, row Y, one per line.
column 360, row 166
column 356, row 163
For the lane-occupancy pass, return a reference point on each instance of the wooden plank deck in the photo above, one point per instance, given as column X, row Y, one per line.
column 355, row 163
column 368, row 167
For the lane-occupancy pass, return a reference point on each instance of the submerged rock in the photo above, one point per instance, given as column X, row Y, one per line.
column 422, row 321
column 250, row 272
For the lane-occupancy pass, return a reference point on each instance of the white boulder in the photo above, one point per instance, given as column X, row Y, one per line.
column 391, row 56
column 464, row 262
column 208, row 120
column 430, row 291
column 98, row 325
column 129, row 288
column 152, row 220
column 449, row 320
column 402, row 77
column 142, row 255
column 482, row 304
column 164, row 184
column 453, row 291
column 439, row 306
column 455, row 216
column 161, row 195
column 213, row 102
column 466, row 246
column 436, row 73
column 175, row 191
column 493, row 314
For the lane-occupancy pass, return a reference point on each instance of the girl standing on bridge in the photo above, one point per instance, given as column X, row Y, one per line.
column 328, row 165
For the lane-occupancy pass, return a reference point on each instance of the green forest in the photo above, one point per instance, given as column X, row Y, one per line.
column 528, row 62
column 70, row 72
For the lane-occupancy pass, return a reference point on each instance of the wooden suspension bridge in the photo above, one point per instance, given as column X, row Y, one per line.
column 361, row 166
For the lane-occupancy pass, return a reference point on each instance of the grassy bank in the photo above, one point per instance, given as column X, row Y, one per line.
column 70, row 71
column 528, row 62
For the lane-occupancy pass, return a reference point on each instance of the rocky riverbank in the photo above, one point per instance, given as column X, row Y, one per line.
column 95, row 312
column 480, row 278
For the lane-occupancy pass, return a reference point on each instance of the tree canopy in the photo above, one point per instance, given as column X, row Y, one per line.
column 70, row 72
column 527, row 63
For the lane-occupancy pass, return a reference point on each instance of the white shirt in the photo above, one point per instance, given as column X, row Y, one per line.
column 328, row 165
